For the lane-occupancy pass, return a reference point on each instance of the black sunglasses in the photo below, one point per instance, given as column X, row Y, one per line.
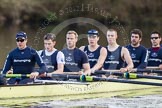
column 20, row 40
column 154, row 37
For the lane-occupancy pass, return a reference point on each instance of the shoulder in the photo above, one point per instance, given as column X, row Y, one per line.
column 103, row 50
column 40, row 52
column 13, row 52
column 78, row 51
column 82, row 48
column 30, row 49
column 64, row 49
column 142, row 47
column 127, row 46
column 160, row 49
column 123, row 49
column 60, row 53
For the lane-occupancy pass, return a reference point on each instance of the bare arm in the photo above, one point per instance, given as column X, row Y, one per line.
column 102, row 57
column 60, row 64
column 87, row 70
column 126, row 56
column 60, row 68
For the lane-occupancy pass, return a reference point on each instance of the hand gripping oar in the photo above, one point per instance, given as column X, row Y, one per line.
column 129, row 75
column 94, row 79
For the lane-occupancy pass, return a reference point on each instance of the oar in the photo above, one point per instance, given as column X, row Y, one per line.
column 129, row 75
column 94, row 79
column 59, row 82
column 148, row 71
column 15, row 75
column 28, row 75
column 152, row 68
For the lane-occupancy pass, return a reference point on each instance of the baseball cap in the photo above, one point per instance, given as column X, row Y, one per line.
column 21, row 34
column 93, row 32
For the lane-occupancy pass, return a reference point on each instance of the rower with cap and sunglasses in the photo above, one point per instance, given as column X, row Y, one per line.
column 22, row 60
column 155, row 52
column 96, row 53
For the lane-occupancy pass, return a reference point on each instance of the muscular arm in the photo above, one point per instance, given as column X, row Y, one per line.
column 86, row 68
column 85, row 64
column 60, row 62
column 102, row 57
column 126, row 56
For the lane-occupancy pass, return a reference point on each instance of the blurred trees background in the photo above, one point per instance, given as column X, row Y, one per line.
column 136, row 13
column 143, row 14
column 37, row 17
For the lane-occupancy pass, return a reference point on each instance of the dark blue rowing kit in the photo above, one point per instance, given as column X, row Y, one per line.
column 50, row 61
column 23, row 61
column 92, row 55
column 139, row 56
column 114, row 59
column 155, row 56
column 74, row 60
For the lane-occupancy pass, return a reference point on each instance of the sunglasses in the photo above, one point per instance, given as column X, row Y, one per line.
column 154, row 37
column 20, row 40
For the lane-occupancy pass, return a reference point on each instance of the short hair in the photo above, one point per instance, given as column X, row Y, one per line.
column 113, row 30
column 50, row 36
column 136, row 31
column 72, row 32
column 156, row 32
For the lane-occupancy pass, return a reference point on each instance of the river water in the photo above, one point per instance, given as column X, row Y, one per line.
column 150, row 101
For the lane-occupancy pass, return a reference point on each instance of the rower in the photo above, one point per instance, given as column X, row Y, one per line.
column 54, row 60
column 22, row 59
column 75, row 59
column 96, row 53
column 139, row 53
column 155, row 52
column 116, row 55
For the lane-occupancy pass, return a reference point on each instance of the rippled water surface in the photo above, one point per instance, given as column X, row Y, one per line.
column 151, row 101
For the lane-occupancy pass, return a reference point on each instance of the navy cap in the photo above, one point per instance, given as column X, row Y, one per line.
column 21, row 35
column 93, row 32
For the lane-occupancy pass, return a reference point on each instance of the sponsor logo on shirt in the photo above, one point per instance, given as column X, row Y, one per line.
column 23, row 60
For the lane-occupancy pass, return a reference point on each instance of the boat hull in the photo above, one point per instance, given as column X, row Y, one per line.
column 60, row 89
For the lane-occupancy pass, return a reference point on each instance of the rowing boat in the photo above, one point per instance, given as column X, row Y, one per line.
column 70, row 90
column 45, row 90
column 61, row 89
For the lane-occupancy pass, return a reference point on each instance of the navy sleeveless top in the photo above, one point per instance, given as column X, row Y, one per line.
column 74, row 60
column 114, row 59
column 92, row 56
column 50, row 61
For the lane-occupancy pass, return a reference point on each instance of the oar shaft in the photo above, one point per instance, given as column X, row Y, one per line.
column 129, row 75
column 148, row 71
column 127, row 81
column 15, row 75
column 93, row 79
